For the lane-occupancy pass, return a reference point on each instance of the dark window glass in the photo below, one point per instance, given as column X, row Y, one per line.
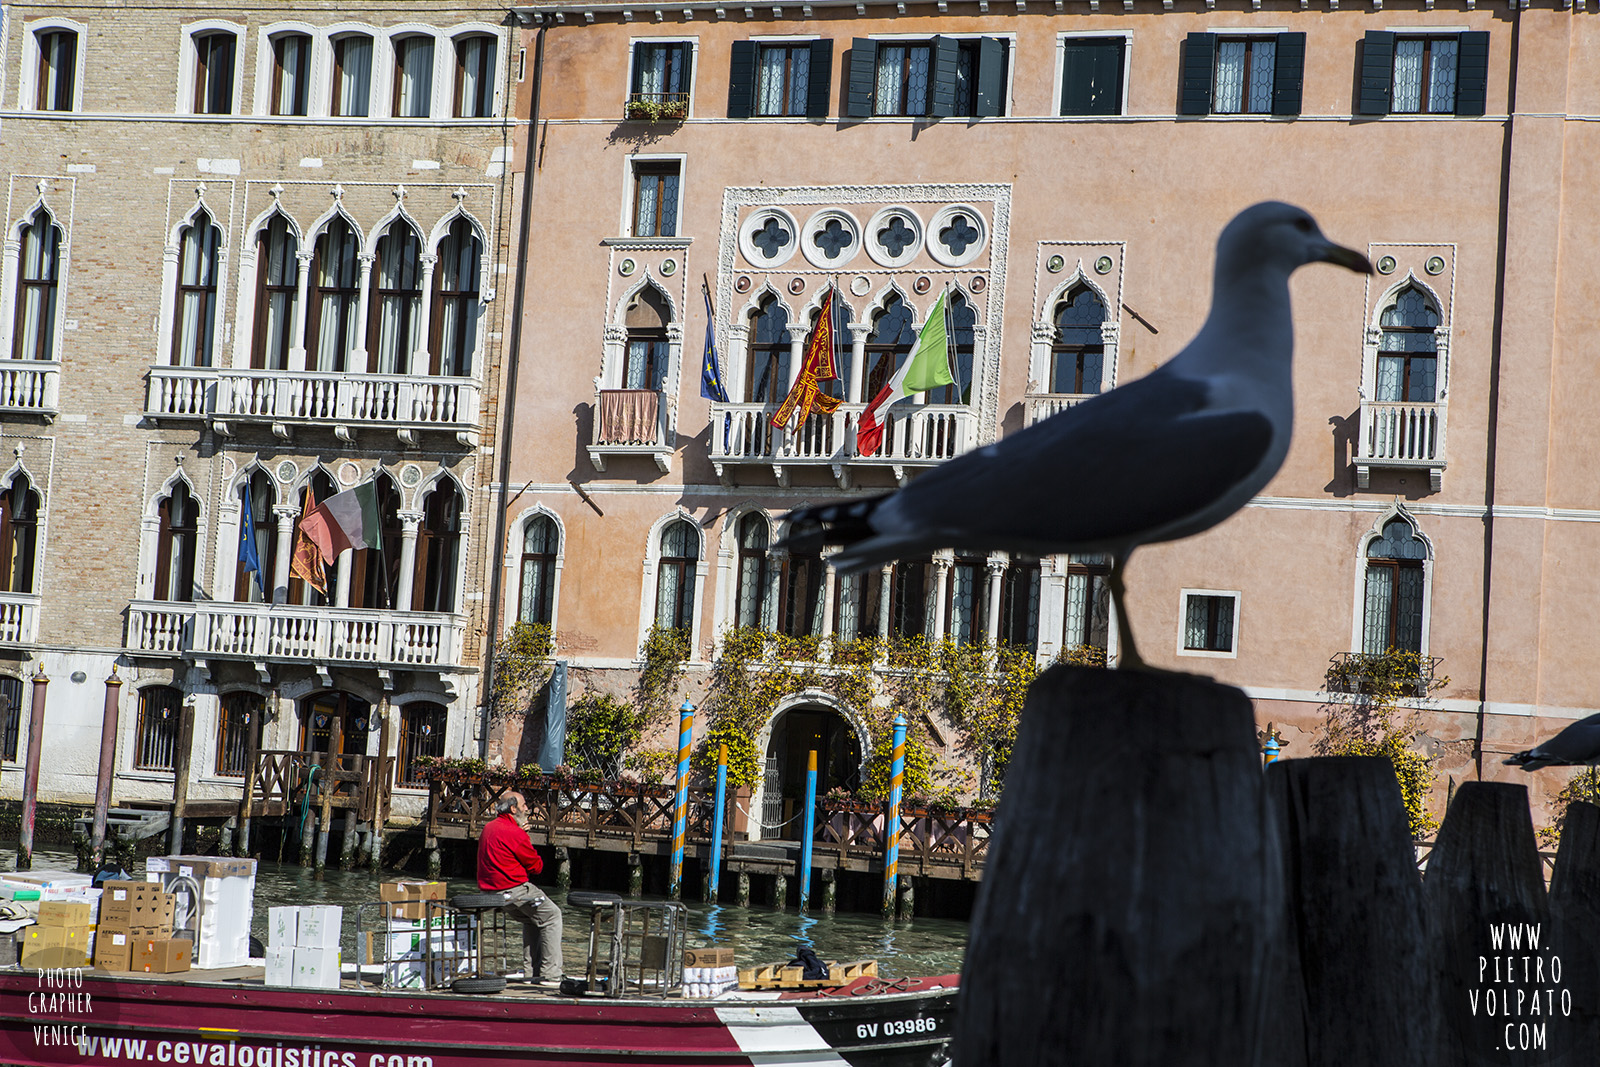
column 318, row 715
column 661, row 72
column 1408, row 351
column 421, row 734
column 277, row 289
column 909, row 583
column 10, row 717
column 475, row 77
column 1019, row 604
column 395, row 315
column 1086, row 614
column 238, row 722
column 969, row 599
column 259, row 496
column 889, row 344
column 413, row 77
column 375, row 572
column 58, row 70
column 675, row 575
column 321, row 488
column 751, row 596
column 438, row 550
column 455, row 301
column 291, row 73
column 540, row 544
column 335, row 298
column 655, row 199
column 1077, row 358
column 352, row 76
column 800, row 595
column 175, row 546
column 644, row 362
column 195, row 325
column 1208, row 623
column 767, row 371
column 213, row 73
column 963, row 338
column 157, row 737
column 1392, row 617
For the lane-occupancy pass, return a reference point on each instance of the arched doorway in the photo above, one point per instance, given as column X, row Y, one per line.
column 318, row 715
column 796, row 732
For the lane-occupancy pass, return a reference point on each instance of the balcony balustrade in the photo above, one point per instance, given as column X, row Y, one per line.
column 1040, row 406
column 915, row 436
column 632, row 422
column 30, row 386
column 400, row 403
column 19, row 618
column 1402, row 436
column 284, row 633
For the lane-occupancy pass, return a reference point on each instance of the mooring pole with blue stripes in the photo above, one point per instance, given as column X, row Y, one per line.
column 680, row 809
column 810, row 831
column 716, row 824
column 891, row 829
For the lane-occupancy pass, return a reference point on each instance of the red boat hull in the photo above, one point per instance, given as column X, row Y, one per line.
column 89, row 1018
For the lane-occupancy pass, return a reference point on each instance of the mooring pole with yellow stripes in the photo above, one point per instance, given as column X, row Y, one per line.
column 680, row 807
column 891, row 829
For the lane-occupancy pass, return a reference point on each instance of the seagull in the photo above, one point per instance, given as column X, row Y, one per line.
column 1156, row 459
column 1577, row 745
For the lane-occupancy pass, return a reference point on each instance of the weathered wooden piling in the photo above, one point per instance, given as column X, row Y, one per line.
column 1575, row 911
column 1484, row 893
column 741, row 894
column 1356, row 989
column 1129, row 897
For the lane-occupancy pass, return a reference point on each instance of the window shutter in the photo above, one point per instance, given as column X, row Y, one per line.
column 991, row 77
column 1199, row 57
column 741, row 79
column 1377, row 73
column 1472, row 73
column 942, row 79
column 863, row 78
column 1091, row 77
column 1288, row 74
column 819, row 88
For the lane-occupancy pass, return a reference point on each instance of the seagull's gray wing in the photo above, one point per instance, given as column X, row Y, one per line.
column 1106, row 473
column 1575, row 746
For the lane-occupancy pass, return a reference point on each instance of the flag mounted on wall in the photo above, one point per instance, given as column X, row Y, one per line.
column 711, row 385
column 807, row 397
column 249, row 555
column 928, row 368
column 345, row 520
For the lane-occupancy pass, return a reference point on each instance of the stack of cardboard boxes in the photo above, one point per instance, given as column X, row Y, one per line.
column 226, row 904
column 415, row 950
column 63, row 936
column 303, row 946
column 135, row 930
column 709, row 972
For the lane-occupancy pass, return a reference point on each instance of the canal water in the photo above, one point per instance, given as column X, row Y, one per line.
column 915, row 947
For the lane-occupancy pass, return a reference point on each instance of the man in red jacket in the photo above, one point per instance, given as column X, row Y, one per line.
column 506, row 860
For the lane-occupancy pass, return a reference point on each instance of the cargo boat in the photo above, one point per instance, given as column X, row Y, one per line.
column 228, row 1018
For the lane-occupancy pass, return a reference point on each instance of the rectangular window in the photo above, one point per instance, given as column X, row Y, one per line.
column 782, row 74
column 475, row 77
column 655, row 199
column 1259, row 74
column 58, row 68
column 422, row 729
column 234, row 727
column 1091, row 75
column 157, row 737
column 1209, row 622
column 937, row 78
column 213, row 74
column 291, row 73
column 352, row 77
column 1086, row 614
column 661, row 80
column 413, row 77
column 779, row 79
column 10, row 717
column 1439, row 74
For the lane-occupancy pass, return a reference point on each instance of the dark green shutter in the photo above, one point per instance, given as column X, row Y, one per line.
column 741, row 79
column 1288, row 73
column 1377, row 73
column 1091, row 76
column 942, row 77
column 1472, row 73
column 863, row 78
column 819, row 87
column 1199, row 58
column 991, row 78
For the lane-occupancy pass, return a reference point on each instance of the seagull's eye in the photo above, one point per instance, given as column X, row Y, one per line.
column 1303, row 224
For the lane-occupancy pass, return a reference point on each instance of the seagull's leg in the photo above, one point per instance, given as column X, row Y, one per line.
column 1128, row 658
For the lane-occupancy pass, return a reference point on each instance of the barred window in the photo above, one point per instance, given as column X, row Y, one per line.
column 157, row 737
column 236, row 724
column 422, row 729
column 10, row 716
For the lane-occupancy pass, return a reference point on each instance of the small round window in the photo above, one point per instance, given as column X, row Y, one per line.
column 832, row 239
column 769, row 238
column 957, row 236
column 894, row 237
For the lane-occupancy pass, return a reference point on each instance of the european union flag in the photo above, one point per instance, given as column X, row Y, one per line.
column 711, row 386
column 247, row 544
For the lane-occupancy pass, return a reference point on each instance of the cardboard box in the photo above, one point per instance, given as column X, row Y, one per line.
column 56, row 946
column 712, row 956
column 65, row 913
column 200, row 867
column 407, row 899
column 131, row 890
column 113, row 951
column 166, row 956
column 280, row 966
column 316, row 968
column 318, row 927
column 224, row 907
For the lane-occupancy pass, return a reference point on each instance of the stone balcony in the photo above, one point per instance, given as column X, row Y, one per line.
column 916, row 436
column 19, row 618
column 404, row 404
column 281, row 633
column 1397, row 435
column 1040, row 406
column 632, row 422
column 30, row 386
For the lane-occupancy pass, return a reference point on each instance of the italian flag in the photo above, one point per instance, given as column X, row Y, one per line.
column 345, row 520
column 928, row 368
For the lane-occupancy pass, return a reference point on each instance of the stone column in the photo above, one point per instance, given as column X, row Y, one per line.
column 410, row 524
column 297, row 348
column 996, row 570
column 341, row 595
column 885, row 592
column 284, row 553
column 941, row 592
column 420, row 358
column 830, row 591
column 858, row 361
column 357, row 360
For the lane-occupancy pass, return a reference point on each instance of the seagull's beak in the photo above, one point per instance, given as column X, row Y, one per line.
column 1348, row 258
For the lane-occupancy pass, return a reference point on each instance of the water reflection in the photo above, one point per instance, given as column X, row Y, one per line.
column 920, row 946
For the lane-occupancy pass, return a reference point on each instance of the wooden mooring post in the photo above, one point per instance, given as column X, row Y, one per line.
column 1153, row 899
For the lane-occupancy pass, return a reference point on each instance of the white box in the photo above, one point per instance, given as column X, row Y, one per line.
column 319, row 926
column 316, row 968
column 226, row 904
column 280, row 966
column 283, row 925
